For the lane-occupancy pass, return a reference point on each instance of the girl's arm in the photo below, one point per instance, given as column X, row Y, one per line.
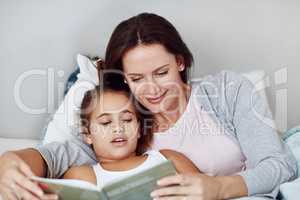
column 84, row 173
column 34, row 160
column 182, row 164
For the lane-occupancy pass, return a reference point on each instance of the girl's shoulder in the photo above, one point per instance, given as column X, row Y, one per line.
column 173, row 155
column 84, row 172
column 165, row 153
column 182, row 163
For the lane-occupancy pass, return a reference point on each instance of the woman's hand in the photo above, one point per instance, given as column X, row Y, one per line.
column 14, row 180
column 200, row 187
column 187, row 187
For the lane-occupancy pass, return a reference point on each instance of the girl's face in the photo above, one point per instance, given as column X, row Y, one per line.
column 114, row 127
column 153, row 75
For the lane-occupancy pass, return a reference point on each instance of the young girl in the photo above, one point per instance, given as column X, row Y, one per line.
column 119, row 137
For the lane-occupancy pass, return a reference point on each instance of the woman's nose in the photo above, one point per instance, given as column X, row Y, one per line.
column 151, row 87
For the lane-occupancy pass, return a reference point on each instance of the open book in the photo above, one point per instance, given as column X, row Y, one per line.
column 136, row 187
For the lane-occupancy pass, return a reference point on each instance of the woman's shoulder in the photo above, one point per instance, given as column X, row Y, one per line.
column 84, row 172
column 223, row 85
column 223, row 77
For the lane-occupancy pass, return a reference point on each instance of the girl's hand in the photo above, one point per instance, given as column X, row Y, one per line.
column 187, row 187
column 14, row 180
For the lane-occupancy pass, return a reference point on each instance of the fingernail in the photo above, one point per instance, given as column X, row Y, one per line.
column 40, row 193
column 152, row 194
column 52, row 197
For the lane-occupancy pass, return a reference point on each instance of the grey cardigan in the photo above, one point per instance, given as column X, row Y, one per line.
column 232, row 102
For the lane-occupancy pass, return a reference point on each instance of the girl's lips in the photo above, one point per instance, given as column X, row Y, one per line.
column 119, row 142
column 156, row 100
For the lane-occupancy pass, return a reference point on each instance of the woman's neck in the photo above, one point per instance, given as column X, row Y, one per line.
column 165, row 120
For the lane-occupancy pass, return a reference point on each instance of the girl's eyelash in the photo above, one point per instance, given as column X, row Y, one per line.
column 127, row 120
column 104, row 123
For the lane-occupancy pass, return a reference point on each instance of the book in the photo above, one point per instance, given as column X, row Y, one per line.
column 136, row 187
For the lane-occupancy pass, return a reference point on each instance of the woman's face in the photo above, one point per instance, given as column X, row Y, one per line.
column 114, row 127
column 153, row 75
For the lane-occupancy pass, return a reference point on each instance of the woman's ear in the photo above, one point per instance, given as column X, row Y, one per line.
column 180, row 63
column 181, row 67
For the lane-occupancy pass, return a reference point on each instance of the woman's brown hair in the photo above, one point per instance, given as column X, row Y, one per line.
column 146, row 28
column 112, row 81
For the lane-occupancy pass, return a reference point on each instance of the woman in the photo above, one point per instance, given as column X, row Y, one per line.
column 213, row 122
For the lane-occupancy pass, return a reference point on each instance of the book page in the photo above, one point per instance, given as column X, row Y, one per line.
column 68, row 182
column 139, row 186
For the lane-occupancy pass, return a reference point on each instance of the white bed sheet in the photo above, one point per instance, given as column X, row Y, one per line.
column 7, row 144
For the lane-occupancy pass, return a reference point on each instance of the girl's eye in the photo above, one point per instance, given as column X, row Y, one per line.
column 127, row 117
column 127, row 120
column 105, row 123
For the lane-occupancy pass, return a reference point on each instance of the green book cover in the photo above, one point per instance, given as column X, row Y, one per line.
column 136, row 187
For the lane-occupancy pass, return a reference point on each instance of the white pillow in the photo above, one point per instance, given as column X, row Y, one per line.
column 65, row 123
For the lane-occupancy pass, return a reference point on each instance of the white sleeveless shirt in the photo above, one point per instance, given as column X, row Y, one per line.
column 105, row 177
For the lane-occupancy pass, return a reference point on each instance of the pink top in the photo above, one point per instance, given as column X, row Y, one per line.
column 203, row 141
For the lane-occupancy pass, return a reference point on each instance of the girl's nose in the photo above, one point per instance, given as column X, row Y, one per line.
column 118, row 128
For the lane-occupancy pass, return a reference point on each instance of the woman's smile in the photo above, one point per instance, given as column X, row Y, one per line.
column 157, row 99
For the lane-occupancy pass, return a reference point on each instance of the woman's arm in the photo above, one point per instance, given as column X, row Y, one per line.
column 190, row 182
column 15, row 170
column 200, row 186
column 60, row 156
column 182, row 164
column 269, row 162
column 231, row 187
column 51, row 160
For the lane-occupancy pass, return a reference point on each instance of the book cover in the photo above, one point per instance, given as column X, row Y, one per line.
column 136, row 187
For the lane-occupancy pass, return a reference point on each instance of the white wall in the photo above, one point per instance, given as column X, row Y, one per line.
column 232, row 34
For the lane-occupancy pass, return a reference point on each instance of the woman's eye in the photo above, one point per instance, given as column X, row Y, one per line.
column 135, row 79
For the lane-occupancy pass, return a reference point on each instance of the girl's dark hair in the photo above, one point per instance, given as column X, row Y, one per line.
column 146, row 28
column 112, row 81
